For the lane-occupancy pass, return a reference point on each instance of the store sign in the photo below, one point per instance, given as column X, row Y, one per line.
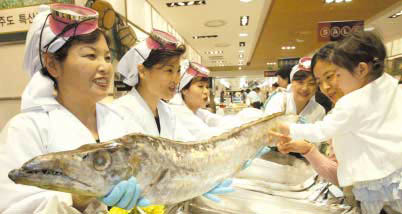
column 269, row 73
column 333, row 31
column 16, row 16
column 17, row 19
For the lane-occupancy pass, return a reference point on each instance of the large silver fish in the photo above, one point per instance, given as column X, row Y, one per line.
column 167, row 171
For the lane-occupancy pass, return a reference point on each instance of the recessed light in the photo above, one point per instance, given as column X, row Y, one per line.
column 241, row 55
column 396, row 15
column 243, row 34
column 369, row 28
column 215, row 23
column 244, row 20
column 336, row 1
column 239, row 68
column 241, row 51
column 242, row 44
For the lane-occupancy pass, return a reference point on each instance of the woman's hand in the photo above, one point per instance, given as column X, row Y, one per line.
column 280, row 135
column 302, row 147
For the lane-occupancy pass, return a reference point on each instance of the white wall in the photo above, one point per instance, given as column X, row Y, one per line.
column 12, row 81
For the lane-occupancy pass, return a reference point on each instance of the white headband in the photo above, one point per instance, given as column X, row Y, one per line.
column 303, row 65
column 128, row 64
column 187, row 75
column 39, row 88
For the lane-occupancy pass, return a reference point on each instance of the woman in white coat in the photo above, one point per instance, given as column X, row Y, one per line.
column 193, row 96
column 152, row 67
column 189, row 105
column 75, row 60
column 300, row 100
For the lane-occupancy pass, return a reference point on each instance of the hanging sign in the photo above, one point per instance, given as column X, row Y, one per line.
column 17, row 15
column 333, row 31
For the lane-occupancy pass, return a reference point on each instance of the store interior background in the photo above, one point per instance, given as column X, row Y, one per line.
column 232, row 71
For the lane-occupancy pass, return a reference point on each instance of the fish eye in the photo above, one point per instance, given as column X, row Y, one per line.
column 102, row 160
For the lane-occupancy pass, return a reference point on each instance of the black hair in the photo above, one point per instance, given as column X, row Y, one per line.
column 284, row 72
column 325, row 53
column 161, row 56
column 275, row 85
column 359, row 47
column 196, row 79
column 323, row 100
column 400, row 82
column 248, row 90
column 302, row 75
column 61, row 54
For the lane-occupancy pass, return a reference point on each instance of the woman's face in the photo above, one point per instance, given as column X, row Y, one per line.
column 303, row 90
column 161, row 80
column 197, row 94
column 86, row 72
column 325, row 74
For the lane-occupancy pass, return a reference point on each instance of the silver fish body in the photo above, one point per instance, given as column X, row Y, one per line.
column 167, row 171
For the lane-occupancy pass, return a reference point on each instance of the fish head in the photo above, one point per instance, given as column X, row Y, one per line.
column 90, row 170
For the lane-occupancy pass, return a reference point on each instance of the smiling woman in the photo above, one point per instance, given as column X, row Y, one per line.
column 70, row 58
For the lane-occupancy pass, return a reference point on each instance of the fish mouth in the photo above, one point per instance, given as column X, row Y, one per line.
column 34, row 176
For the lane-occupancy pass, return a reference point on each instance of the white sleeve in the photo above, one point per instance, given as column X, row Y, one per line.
column 275, row 104
column 211, row 119
column 342, row 119
column 20, row 140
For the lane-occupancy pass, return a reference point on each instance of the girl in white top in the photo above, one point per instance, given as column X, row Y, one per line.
column 300, row 100
column 78, row 65
column 365, row 124
column 152, row 67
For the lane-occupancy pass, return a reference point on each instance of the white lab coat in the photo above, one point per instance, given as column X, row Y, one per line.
column 312, row 112
column 366, row 129
column 253, row 97
column 50, row 128
column 204, row 124
column 140, row 118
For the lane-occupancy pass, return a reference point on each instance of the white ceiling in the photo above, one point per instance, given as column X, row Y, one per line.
column 390, row 28
column 190, row 21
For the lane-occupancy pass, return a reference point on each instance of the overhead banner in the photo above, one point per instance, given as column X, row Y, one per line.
column 333, row 31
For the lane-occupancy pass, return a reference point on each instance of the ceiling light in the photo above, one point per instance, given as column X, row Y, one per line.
column 215, row 23
column 239, row 68
column 244, row 20
column 242, row 44
column 241, row 51
column 336, row 1
column 396, row 15
column 369, row 28
column 243, row 34
column 241, row 55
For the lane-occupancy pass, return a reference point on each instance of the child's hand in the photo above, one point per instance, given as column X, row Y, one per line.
column 280, row 136
column 302, row 147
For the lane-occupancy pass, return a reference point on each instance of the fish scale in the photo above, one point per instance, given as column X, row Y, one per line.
column 168, row 171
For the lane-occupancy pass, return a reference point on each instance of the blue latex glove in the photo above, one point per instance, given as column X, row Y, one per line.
column 260, row 153
column 125, row 195
column 222, row 188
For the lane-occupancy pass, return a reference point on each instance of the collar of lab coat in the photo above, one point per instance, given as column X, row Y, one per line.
column 291, row 105
column 142, row 115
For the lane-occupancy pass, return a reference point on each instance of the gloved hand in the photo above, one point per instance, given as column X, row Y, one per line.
column 222, row 188
column 125, row 195
column 260, row 153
